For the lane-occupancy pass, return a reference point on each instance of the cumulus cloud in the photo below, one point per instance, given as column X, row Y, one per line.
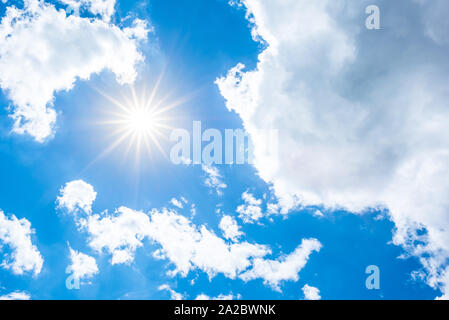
column 230, row 228
column 214, row 179
column 251, row 210
column 187, row 246
column 77, row 195
column 311, row 293
column 16, row 295
column 119, row 234
column 223, row 297
column 43, row 51
column 361, row 114
column 173, row 294
column 81, row 265
column 286, row 268
column 103, row 8
column 24, row 256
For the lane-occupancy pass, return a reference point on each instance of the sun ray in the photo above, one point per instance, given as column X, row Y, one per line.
column 111, row 99
column 140, row 121
column 114, row 145
column 175, row 104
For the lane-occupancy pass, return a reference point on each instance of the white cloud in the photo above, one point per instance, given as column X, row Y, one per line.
column 228, row 297
column 311, row 293
column 103, row 8
column 177, row 203
column 77, row 195
column 173, row 294
column 317, row 213
column 16, row 295
column 443, row 280
column 188, row 247
column 230, row 228
column 119, row 234
column 286, row 268
column 192, row 210
column 362, row 118
column 214, row 180
column 82, row 266
column 139, row 30
column 44, row 51
column 251, row 210
column 16, row 234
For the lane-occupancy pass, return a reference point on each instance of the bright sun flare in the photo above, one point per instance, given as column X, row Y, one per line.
column 138, row 122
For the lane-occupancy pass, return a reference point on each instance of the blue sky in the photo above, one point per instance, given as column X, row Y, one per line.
column 192, row 44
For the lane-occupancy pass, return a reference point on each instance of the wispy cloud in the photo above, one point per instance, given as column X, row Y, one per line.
column 214, row 179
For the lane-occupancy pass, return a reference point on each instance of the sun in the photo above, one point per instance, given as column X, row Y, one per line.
column 136, row 121
column 140, row 121
column 139, row 124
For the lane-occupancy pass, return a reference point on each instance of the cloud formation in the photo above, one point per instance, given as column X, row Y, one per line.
column 77, row 195
column 285, row 268
column 214, row 179
column 362, row 114
column 311, row 293
column 103, row 8
column 251, row 210
column 16, row 235
column 179, row 203
column 173, row 294
column 222, row 297
column 186, row 246
column 82, row 266
column 44, row 50
column 230, row 228
column 16, row 295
